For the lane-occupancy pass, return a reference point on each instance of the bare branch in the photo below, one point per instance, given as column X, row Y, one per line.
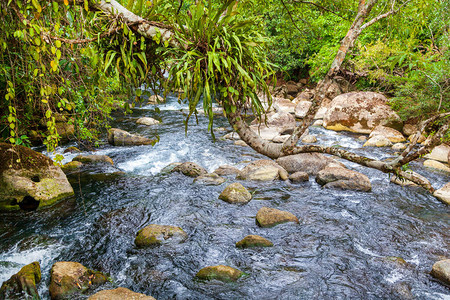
column 385, row 15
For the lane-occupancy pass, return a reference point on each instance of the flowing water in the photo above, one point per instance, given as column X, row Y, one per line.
column 348, row 245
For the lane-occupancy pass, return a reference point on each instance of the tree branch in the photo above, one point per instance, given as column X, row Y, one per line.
column 385, row 15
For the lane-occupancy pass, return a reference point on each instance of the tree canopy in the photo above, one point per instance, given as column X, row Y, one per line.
column 78, row 58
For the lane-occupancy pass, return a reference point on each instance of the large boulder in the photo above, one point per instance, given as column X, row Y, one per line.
column 119, row 294
column 391, row 134
column 310, row 163
column 263, row 170
column 221, row 272
column 190, row 169
column 155, row 235
column 440, row 153
column 68, row 279
column 443, row 193
column 336, row 177
column 29, row 180
column 235, row 193
column 251, row 241
column 360, row 112
column 23, row 284
column 269, row 217
column 119, row 137
column 441, row 270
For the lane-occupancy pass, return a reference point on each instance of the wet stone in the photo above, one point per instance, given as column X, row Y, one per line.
column 23, row 284
column 209, row 179
column 235, row 193
column 190, row 169
column 119, row 293
column 92, row 159
column 269, row 217
column 254, row 241
column 221, row 272
column 155, row 235
column 441, row 270
column 299, row 177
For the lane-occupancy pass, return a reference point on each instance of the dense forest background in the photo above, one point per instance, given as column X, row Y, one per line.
column 67, row 62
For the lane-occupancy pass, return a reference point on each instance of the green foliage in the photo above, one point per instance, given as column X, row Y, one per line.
column 222, row 59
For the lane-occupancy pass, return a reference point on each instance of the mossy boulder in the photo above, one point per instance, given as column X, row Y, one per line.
column 251, row 241
column 68, row 279
column 220, row 272
column 190, row 169
column 71, row 165
column 154, row 235
column 29, row 180
column 23, row 284
column 441, row 270
column 119, row 294
column 72, row 150
column 235, row 193
column 269, row 217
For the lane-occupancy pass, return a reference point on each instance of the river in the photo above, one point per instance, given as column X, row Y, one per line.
column 348, row 245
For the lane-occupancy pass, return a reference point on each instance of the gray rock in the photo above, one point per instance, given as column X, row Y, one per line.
column 190, row 169
column 341, row 178
column 119, row 137
column 310, row 163
column 227, row 170
column 263, row 170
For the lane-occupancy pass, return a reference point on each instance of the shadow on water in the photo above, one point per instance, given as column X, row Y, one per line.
column 348, row 245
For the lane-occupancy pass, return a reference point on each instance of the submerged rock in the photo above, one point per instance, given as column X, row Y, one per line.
column 67, row 279
column 441, row 270
column 170, row 168
column 235, row 193
column 92, row 159
column 119, row 293
column 29, row 180
column 254, row 241
column 226, row 170
column 309, row 139
column 147, row 121
column 310, row 163
column 341, row 178
column 190, row 169
column 210, row 179
column 155, row 235
column 263, row 170
column 23, row 284
column 269, row 217
column 72, row 150
column 119, row 137
column 220, row 272
column 443, row 193
column 360, row 112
